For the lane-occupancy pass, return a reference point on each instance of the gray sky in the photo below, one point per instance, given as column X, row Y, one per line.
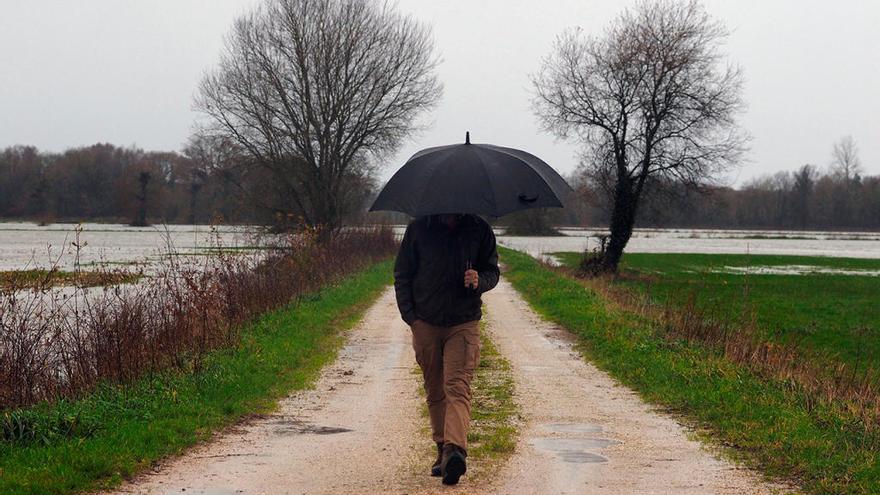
column 123, row 71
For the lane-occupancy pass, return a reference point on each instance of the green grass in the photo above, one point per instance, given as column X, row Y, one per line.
column 493, row 412
column 117, row 431
column 827, row 316
column 767, row 424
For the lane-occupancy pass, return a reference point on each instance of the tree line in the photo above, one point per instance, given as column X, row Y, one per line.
column 103, row 182
column 838, row 196
column 211, row 182
column 807, row 198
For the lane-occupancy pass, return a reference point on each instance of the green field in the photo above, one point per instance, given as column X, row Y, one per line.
column 119, row 430
column 828, row 316
column 769, row 424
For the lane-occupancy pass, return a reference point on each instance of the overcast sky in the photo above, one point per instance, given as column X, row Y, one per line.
column 123, row 71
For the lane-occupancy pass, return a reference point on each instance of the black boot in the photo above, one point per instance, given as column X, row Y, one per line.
column 453, row 465
column 435, row 469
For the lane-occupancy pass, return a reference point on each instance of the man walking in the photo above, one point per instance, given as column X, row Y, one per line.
column 445, row 263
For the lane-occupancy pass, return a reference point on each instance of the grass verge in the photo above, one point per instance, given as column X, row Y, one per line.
column 117, row 431
column 494, row 414
column 828, row 314
column 769, row 424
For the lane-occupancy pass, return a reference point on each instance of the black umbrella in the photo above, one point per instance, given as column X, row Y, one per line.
column 471, row 178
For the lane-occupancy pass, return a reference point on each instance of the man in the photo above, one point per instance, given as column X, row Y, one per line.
column 445, row 263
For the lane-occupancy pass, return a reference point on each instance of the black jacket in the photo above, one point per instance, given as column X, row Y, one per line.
column 429, row 270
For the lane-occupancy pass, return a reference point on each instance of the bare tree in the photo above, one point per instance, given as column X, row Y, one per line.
column 845, row 163
column 220, row 158
column 649, row 99
column 847, row 169
column 316, row 90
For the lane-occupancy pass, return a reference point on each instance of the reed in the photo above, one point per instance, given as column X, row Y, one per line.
column 59, row 344
column 849, row 386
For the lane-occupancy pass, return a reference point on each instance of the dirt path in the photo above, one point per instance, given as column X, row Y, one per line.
column 365, row 407
column 584, row 433
column 361, row 431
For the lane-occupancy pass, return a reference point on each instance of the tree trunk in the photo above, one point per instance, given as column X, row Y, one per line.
column 194, row 189
column 623, row 217
column 141, row 216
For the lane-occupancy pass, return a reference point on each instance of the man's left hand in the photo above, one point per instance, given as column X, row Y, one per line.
column 471, row 279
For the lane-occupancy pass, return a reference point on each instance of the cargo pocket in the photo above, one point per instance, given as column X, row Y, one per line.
column 472, row 347
column 418, row 341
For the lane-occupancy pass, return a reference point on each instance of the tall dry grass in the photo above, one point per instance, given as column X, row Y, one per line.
column 61, row 343
column 852, row 388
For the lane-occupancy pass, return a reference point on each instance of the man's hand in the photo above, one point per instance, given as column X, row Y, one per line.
column 471, row 278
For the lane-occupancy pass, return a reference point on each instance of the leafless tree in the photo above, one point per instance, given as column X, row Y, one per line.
column 846, row 168
column 845, row 163
column 651, row 98
column 220, row 157
column 316, row 90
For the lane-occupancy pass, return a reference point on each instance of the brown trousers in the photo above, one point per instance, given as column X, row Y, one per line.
column 448, row 357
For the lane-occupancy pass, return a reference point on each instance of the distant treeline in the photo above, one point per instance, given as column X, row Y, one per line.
column 807, row 198
column 109, row 183
column 104, row 182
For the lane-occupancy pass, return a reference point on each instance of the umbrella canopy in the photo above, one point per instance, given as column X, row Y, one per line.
column 472, row 178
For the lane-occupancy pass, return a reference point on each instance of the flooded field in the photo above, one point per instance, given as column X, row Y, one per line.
column 25, row 245
column 835, row 244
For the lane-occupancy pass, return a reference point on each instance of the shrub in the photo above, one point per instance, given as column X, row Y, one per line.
column 59, row 344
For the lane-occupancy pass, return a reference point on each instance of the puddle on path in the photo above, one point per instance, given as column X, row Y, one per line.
column 571, row 444
column 294, row 427
column 573, row 450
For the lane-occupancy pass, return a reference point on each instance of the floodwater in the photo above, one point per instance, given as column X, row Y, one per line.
column 795, row 270
column 834, row 244
column 26, row 245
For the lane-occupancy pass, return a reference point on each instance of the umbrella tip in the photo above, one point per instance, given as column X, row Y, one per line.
column 467, row 137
